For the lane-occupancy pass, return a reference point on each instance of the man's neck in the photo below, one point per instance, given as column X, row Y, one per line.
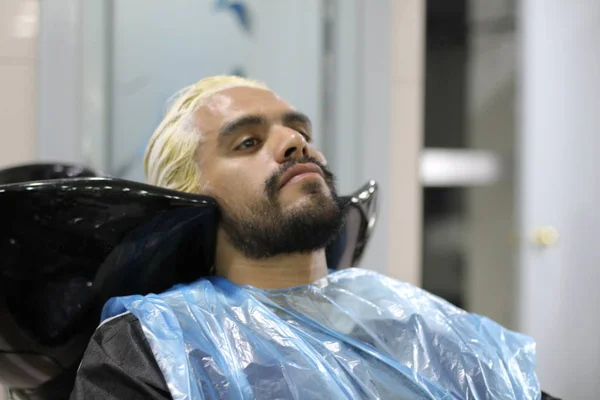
column 279, row 272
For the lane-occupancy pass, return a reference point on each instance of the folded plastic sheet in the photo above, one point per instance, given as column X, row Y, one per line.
column 354, row 334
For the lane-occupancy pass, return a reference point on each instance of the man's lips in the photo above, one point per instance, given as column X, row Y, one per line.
column 299, row 169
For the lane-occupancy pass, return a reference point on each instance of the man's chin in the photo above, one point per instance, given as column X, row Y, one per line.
column 312, row 197
column 307, row 192
column 302, row 224
column 316, row 187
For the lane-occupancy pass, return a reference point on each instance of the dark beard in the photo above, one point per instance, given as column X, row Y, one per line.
column 271, row 231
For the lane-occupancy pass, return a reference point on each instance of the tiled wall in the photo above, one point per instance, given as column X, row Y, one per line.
column 18, row 59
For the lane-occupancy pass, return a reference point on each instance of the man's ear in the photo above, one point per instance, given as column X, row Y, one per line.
column 206, row 188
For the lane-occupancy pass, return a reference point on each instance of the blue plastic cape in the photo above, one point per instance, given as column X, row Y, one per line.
column 354, row 334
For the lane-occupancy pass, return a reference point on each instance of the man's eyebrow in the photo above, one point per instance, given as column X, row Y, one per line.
column 295, row 117
column 288, row 118
column 232, row 127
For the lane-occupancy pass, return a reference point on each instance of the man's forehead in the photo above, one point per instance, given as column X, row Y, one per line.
column 233, row 102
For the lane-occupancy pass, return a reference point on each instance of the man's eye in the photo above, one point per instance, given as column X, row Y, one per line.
column 247, row 144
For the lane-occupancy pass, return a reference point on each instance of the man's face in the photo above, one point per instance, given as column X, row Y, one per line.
column 275, row 193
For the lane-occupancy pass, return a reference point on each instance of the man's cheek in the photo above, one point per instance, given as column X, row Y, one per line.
column 317, row 155
column 238, row 188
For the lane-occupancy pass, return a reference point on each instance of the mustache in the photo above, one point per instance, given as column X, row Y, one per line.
column 272, row 183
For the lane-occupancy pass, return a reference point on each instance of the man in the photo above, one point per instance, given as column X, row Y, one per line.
column 273, row 323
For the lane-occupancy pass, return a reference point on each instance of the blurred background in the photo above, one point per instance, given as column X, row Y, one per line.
column 478, row 118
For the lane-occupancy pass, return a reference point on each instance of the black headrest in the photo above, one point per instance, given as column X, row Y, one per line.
column 68, row 245
column 42, row 172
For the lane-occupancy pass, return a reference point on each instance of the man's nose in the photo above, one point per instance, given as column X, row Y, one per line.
column 292, row 146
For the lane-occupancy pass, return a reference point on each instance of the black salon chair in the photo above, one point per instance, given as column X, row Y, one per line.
column 70, row 240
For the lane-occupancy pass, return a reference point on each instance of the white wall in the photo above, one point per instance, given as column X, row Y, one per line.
column 18, row 59
column 60, row 94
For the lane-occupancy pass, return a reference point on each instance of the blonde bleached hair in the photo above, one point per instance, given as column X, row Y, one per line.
column 169, row 160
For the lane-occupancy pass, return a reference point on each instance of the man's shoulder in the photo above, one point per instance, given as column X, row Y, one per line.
column 122, row 339
column 119, row 357
column 119, row 325
column 119, row 321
